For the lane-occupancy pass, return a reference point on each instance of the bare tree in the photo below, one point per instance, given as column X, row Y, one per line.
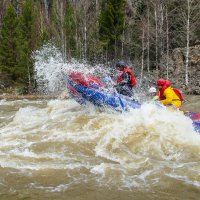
column 46, row 6
column 167, row 38
column 190, row 17
column 148, row 38
column 85, row 31
column 156, row 33
column 123, row 38
column 188, row 40
column 142, row 60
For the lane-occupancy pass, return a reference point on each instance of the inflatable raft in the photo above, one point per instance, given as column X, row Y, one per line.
column 90, row 89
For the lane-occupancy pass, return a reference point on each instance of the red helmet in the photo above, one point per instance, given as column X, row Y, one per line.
column 167, row 83
column 162, row 82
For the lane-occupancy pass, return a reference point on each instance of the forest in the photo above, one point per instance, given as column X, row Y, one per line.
column 142, row 32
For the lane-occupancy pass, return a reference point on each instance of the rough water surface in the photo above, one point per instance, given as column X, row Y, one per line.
column 58, row 150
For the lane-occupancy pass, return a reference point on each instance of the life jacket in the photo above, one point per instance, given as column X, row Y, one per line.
column 179, row 94
column 129, row 71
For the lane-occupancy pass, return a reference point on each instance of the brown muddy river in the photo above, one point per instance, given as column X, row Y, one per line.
column 59, row 150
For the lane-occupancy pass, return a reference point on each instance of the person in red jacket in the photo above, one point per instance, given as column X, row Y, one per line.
column 126, row 80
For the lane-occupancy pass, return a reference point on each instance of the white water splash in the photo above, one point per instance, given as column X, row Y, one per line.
column 50, row 69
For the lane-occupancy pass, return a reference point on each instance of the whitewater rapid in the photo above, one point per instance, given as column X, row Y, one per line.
column 61, row 134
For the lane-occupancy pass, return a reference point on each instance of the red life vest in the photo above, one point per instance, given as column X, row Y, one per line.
column 129, row 71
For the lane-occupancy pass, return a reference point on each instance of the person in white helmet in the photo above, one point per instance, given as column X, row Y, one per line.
column 153, row 94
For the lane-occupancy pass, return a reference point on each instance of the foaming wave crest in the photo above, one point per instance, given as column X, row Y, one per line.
column 150, row 132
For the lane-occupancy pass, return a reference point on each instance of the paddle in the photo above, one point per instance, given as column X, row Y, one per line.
column 109, row 80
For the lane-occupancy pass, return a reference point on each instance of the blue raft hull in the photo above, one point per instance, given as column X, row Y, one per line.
column 100, row 97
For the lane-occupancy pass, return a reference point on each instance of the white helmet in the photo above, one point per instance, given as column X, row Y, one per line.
column 152, row 90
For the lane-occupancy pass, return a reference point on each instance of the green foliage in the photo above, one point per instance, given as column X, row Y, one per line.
column 141, row 8
column 80, row 31
column 24, row 44
column 43, row 38
column 111, row 23
column 135, row 48
column 70, row 31
column 8, row 39
column 5, row 77
column 40, row 29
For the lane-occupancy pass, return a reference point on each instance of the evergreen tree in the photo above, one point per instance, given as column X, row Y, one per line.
column 8, row 38
column 111, row 23
column 25, row 45
column 70, row 32
column 57, row 25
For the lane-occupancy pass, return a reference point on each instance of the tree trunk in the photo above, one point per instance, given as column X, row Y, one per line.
column 142, row 64
column 188, row 43
column 123, row 38
column 148, row 38
column 46, row 9
column 85, row 33
column 161, row 36
column 167, row 32
column 76, row 34
column 156, row 22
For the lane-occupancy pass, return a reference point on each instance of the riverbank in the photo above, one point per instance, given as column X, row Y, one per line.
column 11, row 96
column 28, row 96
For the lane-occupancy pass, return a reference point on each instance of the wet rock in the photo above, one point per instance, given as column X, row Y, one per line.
column 177, row 61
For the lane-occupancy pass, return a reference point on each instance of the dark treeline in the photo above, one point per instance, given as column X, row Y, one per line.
column 143, row 32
